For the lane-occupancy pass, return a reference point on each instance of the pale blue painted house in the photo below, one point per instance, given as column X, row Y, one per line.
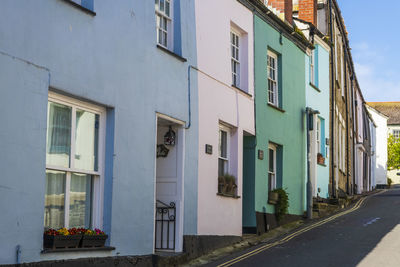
column 93, row 94
column 317, row 100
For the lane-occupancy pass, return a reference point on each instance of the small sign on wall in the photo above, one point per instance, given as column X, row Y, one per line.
column 208, row 149
column 260, row 154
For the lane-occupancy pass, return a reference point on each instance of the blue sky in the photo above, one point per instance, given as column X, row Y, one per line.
column 373, row 28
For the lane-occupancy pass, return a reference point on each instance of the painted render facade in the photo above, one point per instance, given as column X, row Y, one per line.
column 107, row 60
column 226, row 110
column 317, row 98
column 280, row 126
column 380, row 147
column 392, row 111
column 125, row 110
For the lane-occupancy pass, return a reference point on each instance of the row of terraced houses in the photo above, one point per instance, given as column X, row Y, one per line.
column 168, row 123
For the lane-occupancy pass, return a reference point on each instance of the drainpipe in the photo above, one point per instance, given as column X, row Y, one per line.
column 18, row 254
column 332, row 143
column 309, row 113
column 354, row 133
column 347, row 122
column 189, row 99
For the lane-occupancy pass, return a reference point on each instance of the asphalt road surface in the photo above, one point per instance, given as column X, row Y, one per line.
column 368, row 236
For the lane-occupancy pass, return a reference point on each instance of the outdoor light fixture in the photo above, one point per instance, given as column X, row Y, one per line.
column 169, row 137
column 310, row 113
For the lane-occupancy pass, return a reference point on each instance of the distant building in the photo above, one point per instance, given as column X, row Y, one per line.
column 392, row 111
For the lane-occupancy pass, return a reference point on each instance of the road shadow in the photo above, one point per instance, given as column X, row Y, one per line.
column 345, row 241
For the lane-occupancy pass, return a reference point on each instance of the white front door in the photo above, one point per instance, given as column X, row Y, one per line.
column 169, row 188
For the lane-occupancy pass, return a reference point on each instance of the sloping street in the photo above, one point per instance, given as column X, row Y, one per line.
column 367, row 236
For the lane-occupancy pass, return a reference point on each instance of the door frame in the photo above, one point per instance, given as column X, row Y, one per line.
column 180, row 125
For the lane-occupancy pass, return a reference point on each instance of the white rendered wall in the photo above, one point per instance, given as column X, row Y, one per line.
column 381, row 146
column 220, row 102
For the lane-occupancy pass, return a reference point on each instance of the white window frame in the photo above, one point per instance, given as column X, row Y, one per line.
column 228, row 140
column 272, row 147
column 275, row 82
column 162, row 15
column 98, row 176
column 342, row 70
column 312, row 67
column 396, row 134
column 235, row 38
column 318, row 133
column 343, row 149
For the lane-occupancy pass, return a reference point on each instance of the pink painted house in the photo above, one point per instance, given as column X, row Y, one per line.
column 224, row 30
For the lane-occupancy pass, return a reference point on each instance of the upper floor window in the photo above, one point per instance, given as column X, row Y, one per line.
column 312, row 67
column 73, row 163
column 164, row 20
column 272, row 73
column 235, row 58
column 86, row 6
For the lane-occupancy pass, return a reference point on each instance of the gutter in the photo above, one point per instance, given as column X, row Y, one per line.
column 354, row 135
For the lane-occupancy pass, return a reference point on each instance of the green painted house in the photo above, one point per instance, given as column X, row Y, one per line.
column 275, row 157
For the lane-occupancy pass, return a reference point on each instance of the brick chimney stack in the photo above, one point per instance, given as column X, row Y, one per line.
column 284, row 7
column 308, row 10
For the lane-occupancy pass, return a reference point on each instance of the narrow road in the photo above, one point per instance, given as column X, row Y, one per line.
column 367, row 237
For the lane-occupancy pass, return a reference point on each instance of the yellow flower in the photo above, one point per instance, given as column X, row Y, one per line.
column 63, row 231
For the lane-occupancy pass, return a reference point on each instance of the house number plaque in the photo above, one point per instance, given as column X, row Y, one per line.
column 208, row 149
column 260, row 154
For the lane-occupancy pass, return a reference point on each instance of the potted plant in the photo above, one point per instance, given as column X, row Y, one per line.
column 221, row 184
column 93, row 238
column 273, row 197
column 62, row 238
column 320, row 159
column 227, row 185
column 282, row 205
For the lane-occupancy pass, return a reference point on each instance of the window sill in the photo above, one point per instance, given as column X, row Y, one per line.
column 171, row 53
column 227, row 195
column 47, row 250
column 315, row 87
column 241, row 91
column 78, row 6
column 277, row 108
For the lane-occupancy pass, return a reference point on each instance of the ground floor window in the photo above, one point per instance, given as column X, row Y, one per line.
column 223, row 150
column 73, row 163
column 271, row 167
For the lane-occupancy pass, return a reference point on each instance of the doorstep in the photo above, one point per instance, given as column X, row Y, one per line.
column 46, row 250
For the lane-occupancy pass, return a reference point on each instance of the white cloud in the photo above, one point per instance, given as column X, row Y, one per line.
column 378, row 80
column 375, row 86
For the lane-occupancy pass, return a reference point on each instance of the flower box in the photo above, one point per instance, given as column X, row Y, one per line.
column 227, row 185
column 273, row 197
column 89, row 241
column 61, row 241
column 320, row 159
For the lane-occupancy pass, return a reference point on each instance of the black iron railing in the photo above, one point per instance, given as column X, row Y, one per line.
column 165, row 226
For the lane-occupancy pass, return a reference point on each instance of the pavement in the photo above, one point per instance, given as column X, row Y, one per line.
column 367, row 235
